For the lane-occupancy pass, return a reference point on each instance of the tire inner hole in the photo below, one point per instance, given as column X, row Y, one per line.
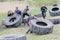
column 12, row 19
column 41, row 23
column 55, row 9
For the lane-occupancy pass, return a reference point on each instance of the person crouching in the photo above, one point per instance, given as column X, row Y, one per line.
column 10, row 13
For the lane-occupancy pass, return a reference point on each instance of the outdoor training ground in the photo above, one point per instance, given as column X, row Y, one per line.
column 5, row 6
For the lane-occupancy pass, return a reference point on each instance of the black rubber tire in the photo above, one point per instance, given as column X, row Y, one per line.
column 16, row 22
column 13, row 37
column 38, row 29
column 55, row 11
column 55, row 20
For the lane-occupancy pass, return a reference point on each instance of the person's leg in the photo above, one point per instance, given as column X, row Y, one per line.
column 43, row 15
column 23, row 15
column 27, row 14
column 24, row 21
column 28, row 31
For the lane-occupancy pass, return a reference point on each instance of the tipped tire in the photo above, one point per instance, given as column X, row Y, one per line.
column 11, row 21
column 41, row 26
column 13, row 37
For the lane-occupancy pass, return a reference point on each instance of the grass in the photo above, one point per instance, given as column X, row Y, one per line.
column 9, row 0
column 21, row 29
column 41, row 2
column 6, row 0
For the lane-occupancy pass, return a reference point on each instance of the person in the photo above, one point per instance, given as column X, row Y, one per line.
column 28, row 20
column 17, row 11
column 10, row 13
column 44, row 10
column 25, row 11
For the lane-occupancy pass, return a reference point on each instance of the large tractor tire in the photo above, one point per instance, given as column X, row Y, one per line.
column 55, row 20
column 41, row 26
column 55, row 11
column 11, row 21
column 13, row 37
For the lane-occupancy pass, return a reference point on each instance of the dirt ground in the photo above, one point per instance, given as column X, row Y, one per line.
column 5, row 6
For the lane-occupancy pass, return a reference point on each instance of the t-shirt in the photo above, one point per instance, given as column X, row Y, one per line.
column 18, row 11
column 30, row 18
column 25, row 10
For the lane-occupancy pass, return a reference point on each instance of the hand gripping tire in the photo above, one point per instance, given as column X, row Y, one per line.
column 55, row 11
column 13, row 37
column 14, row 20
column 41, row 26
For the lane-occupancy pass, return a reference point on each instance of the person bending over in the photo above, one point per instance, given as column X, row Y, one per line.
column 28, row 22
column 10, row 13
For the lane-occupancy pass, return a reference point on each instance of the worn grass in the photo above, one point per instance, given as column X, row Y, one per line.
column 42, row 2
column 21, row 29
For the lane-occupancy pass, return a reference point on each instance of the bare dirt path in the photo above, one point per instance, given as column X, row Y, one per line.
column 5, row 6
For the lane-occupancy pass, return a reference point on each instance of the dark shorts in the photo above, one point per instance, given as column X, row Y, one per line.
column 25, row 14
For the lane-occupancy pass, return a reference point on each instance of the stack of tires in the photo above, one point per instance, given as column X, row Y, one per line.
column 13, row 37
column 41, row 26
column 13, row 21
column 55, row 11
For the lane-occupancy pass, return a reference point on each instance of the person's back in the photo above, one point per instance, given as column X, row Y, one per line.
column 17, row 11
column 30, row 18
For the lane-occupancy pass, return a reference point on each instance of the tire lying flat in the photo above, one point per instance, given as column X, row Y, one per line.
column 55, row 20
column 16, row 22
column 13, row 37
column 41, row 29
column 55, row 11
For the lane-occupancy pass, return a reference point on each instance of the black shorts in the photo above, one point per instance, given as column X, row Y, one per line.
column 25, row 14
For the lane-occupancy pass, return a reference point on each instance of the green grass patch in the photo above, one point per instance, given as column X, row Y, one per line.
column 34, row 11
column 41, row 2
